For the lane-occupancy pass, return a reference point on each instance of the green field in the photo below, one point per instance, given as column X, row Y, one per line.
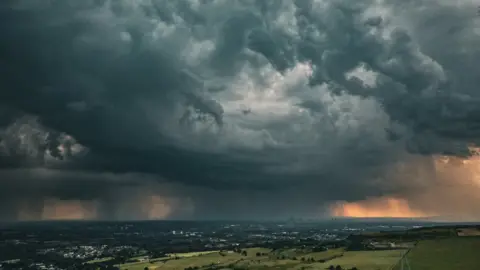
column 364, row 260
column 456, row 253
column 139, row 266
column 191, row 254
column 282, row 259
column 324, row 255
column 195, row 259
column 368, row 260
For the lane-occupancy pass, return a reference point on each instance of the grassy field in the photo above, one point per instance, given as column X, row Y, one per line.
column 151, row 264
column 368, row 260
column 365, row 260
column 191, row 254
column 446, row 254
column 198, row 259
column 201, row 261
column 324, row 255
column 139, row 266
column 283, row 259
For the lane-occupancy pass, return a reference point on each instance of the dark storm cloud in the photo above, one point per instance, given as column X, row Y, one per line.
column 336, row 93
column 113, row 196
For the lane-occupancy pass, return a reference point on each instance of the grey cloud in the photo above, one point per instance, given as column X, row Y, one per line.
column 160, row 88
column 113, row 196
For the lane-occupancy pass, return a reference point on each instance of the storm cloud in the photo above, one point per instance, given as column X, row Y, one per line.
column 232, row 109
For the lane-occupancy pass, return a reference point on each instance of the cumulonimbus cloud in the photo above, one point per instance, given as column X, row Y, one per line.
column 313, row 99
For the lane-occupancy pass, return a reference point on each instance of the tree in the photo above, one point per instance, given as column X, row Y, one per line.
column 146, row 268
column 244, row 253
column 331, row 267
column 338, row 267
column 258, row 254
column 303, row 259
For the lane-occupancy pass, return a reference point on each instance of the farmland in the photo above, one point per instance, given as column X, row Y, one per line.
column 368, row 260
column 197, row 260
column 446, row 254
column 260, row 258
column 191, row 254
column 139, row 266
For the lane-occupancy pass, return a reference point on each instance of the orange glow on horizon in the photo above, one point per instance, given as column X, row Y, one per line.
column 378, row 207
column 54, row 209
column 157, row 207
column 68, row 210
column 465, row 170
column 452, row 192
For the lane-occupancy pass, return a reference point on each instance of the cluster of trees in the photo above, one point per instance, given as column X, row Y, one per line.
column 97, row 267
column 211, row 266
column 311, row 260
column 243, row 252
column 338, row 267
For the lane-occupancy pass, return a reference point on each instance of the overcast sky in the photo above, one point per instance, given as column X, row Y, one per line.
column 122, row 109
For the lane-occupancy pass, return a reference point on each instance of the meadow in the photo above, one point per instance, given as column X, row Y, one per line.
column 367, row 260
column 446, row 254
column 260, row 258
column 139, row 266
column 190, row 254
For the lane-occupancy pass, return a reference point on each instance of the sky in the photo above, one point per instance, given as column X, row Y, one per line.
column 239, row 109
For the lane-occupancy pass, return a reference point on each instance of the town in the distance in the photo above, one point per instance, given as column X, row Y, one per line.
column 366, row 244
